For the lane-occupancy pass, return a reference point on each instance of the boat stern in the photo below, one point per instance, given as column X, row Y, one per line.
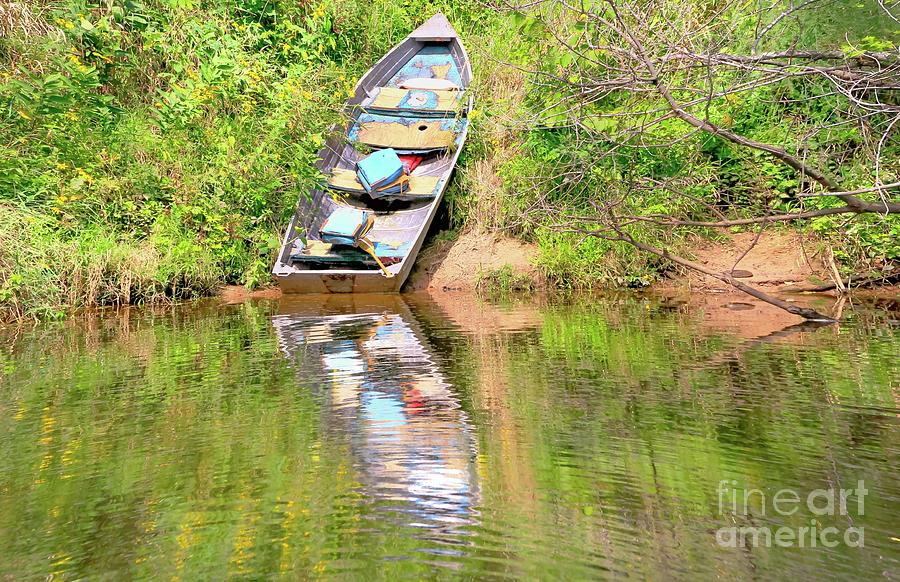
column 292, row 280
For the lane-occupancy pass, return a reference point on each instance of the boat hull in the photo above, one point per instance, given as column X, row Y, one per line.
column 409, row 226
column 347, row 281
column 331, row 282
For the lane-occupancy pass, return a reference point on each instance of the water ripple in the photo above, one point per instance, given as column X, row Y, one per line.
column 443, row 437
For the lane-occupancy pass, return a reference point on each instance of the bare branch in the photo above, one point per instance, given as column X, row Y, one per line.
column 803, row 312
column 633, row 66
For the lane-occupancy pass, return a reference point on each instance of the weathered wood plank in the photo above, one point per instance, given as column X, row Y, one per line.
column 421, row 135
column 346, row 180
column 394, row 99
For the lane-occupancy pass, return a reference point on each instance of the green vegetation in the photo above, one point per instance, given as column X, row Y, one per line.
column 503, row 280
column 601, row 136
column 154, row 149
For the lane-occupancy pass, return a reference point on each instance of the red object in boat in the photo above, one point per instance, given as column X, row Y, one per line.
column 410, row 162
column 414, row 400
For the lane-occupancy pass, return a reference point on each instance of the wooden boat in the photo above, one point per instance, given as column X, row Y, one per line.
column 413, row 100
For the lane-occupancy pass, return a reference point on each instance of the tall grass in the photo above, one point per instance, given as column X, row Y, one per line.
column 43, row 272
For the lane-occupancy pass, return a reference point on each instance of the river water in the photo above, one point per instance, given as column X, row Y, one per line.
column 424, row 437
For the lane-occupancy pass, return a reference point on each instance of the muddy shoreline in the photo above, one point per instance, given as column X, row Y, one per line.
column 783, row 263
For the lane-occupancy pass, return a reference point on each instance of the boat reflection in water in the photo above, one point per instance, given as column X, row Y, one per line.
column 411, row 443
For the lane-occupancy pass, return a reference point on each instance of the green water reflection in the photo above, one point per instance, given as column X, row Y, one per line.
column 425, row 437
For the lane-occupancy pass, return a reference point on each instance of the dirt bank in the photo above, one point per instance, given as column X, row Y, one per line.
column 456, row 265
column 778, row 260
column 781, row 261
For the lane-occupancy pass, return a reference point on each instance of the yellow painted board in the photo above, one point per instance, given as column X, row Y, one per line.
column 421, row 135
column 392, row 98
column 344, row 179
column 317, row 248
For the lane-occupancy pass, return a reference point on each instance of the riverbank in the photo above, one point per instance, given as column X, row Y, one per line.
column 472, row 261
column 784, row 261
column 156, row 154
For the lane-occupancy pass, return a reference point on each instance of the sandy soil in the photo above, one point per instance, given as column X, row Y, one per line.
column 778, row 260
column 455, row 265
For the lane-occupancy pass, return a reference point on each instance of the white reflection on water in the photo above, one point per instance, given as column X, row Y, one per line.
column 412, row 444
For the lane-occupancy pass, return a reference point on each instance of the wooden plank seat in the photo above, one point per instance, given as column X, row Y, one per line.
column 419, row 186
column 406, row 134
column 423, row 101
column 316, row 252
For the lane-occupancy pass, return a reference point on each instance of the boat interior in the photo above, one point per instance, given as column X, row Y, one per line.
column 414, row 102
